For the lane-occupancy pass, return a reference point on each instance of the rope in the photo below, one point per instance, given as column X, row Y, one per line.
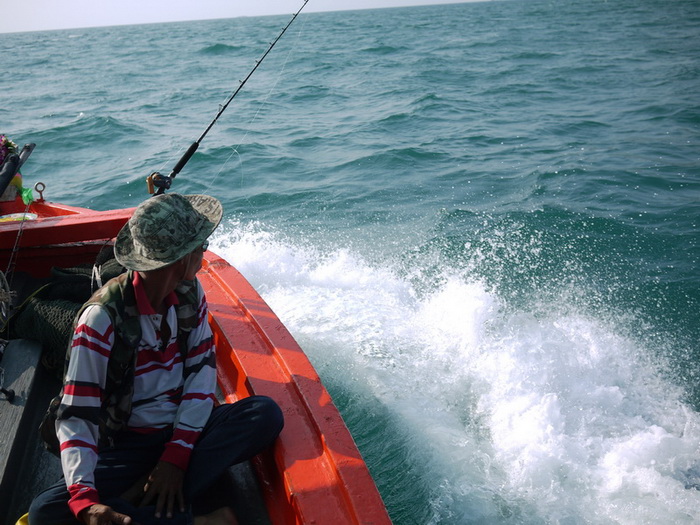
column 5, row 299
column 15, row 249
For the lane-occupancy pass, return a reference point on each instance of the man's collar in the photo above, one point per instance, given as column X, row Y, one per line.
column 142, row 303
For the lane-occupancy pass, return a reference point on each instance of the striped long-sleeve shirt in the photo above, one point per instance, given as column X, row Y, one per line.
column 167, row 392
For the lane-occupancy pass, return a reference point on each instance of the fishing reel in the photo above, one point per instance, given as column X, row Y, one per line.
column 158, row 180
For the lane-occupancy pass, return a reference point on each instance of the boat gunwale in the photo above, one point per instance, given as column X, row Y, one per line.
column 295, row 379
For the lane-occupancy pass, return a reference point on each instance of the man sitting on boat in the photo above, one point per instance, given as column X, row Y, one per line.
column 140, row 437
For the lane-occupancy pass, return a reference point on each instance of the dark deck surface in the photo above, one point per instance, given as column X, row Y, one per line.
column 25, row 467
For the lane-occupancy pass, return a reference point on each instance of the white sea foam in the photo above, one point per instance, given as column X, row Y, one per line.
column 511, row 416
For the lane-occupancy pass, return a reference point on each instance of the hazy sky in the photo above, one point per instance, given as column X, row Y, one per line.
column 38, row 15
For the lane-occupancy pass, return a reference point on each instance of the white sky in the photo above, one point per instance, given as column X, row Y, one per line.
column 39, row 15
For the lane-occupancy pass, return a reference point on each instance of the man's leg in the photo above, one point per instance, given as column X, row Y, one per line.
column 117, row 470
column 234, row 433
column 134, row 456
column 51, row 507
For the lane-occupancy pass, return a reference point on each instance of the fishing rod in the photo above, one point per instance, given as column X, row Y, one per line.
column 162, row 182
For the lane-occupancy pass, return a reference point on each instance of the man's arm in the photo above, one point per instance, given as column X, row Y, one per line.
column 78, row 416
column 165, row 483
column 198, row 396
column 98, row 514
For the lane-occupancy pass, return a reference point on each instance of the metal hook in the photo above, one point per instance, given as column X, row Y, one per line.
column 39, row 187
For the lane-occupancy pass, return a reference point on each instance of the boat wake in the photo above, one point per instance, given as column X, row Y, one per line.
column 483, row 412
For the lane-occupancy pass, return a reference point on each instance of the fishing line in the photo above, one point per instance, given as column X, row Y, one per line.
column 161, row 182
column 257, row 112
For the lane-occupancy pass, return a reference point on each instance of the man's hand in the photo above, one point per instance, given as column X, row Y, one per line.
column 165, row 484
column 103, row 515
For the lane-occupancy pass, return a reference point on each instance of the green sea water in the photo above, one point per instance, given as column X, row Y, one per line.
column 479, row 220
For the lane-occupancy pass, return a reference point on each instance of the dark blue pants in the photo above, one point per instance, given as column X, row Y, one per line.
column 234, row 433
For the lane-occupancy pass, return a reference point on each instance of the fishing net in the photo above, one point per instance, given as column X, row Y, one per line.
column 49, row 322
column 48, row 314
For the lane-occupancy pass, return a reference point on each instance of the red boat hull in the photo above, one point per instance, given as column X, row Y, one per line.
column 314, row 473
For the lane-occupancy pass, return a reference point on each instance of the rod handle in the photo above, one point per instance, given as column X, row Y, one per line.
column 183, row 160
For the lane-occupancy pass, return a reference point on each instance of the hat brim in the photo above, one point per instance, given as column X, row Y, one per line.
column 128, row 257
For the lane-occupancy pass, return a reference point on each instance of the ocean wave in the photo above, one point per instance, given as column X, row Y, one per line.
column 307, row 93
column 382, row 50
column 547, row 412
column 535, row 56
column 577, row 128
column 86, row 128
column 222, row 49
column 394, row 159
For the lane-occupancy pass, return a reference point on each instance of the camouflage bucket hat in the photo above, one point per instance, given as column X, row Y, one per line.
column 165, row 228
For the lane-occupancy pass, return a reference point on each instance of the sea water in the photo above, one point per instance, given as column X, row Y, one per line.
column 480, row 221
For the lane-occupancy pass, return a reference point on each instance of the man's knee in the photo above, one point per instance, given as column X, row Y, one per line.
column 271, row 413
column 51, row 507
column 261, row 414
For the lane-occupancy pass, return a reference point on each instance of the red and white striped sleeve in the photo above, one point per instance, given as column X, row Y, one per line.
column 198, row 392
column 78, row 415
